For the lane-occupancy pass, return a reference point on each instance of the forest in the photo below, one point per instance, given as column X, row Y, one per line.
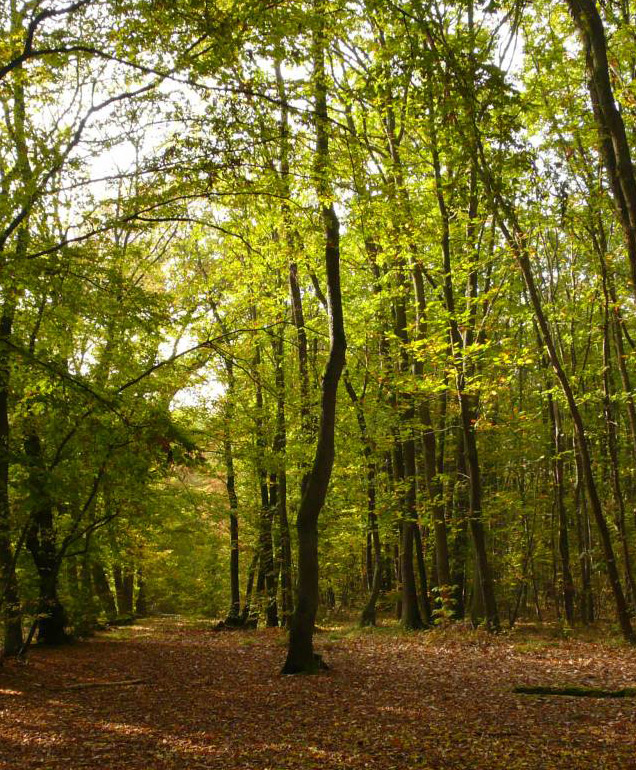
column 320, row 314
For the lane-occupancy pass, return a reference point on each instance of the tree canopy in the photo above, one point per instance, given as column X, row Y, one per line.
column 316, row 305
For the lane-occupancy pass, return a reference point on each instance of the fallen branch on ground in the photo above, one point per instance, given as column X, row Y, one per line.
column 86, row 685
column 580, row 692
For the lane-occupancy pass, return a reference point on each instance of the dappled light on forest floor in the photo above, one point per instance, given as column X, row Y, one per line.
column 390, row 701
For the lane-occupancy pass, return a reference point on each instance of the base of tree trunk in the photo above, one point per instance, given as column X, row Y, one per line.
column 52, row 628
column 312, row 666
column 122, row 620
column 233, row 622
column 368, row 618
column 13, row 637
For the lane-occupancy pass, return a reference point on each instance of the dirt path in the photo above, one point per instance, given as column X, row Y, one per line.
column 215, row 700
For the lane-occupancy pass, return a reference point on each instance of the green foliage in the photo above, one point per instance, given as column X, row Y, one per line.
column 156, row 201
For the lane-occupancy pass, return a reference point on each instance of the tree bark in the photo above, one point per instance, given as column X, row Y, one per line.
column 516, row 241
column 468, row 404
column 10, row 598
column 234, row 616
column 103, row 590
column 41, row 542
column 558, row 448
column 374, row 569
column 613, row 140
column 266, row 584
column 278, row 482
column 300, row 654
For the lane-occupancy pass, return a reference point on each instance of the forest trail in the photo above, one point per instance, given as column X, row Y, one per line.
column 390, row 700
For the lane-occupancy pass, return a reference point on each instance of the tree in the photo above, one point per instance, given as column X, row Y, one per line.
column 300, row 654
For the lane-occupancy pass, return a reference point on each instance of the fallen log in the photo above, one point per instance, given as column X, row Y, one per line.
column 576, row 691
column 87, row 685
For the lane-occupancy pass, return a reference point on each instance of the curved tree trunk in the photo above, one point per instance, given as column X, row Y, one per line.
column 516, row 241
column 300, row 654
column 613, row 140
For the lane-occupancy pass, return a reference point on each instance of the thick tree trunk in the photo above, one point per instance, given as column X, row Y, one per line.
column 9, row 599
column 300, row 656
column 613, row 140
column 52, row 622
column 103, row 590
column 41, row 542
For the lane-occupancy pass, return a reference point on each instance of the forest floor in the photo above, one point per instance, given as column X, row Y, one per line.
column 390, row 700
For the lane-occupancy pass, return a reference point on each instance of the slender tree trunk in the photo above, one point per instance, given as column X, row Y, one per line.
column 300, row 654
column 374, row 559
column 293, row 245
column 517, row 244
column 89, row 610
column 141, row 601
column 433, row 485
column 558, row 448
column 425, row 605
column 234, row 613
column 411, row 616
column 124, row 583
column 128, row 594
column 279, row 483
column 460, row 527
column 248, row 616
column 266, row 584
column 234, row 616
column 585, row 544
column 612, row 448
column 468, row 403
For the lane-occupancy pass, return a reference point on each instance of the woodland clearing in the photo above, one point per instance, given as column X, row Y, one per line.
column 391, row 700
